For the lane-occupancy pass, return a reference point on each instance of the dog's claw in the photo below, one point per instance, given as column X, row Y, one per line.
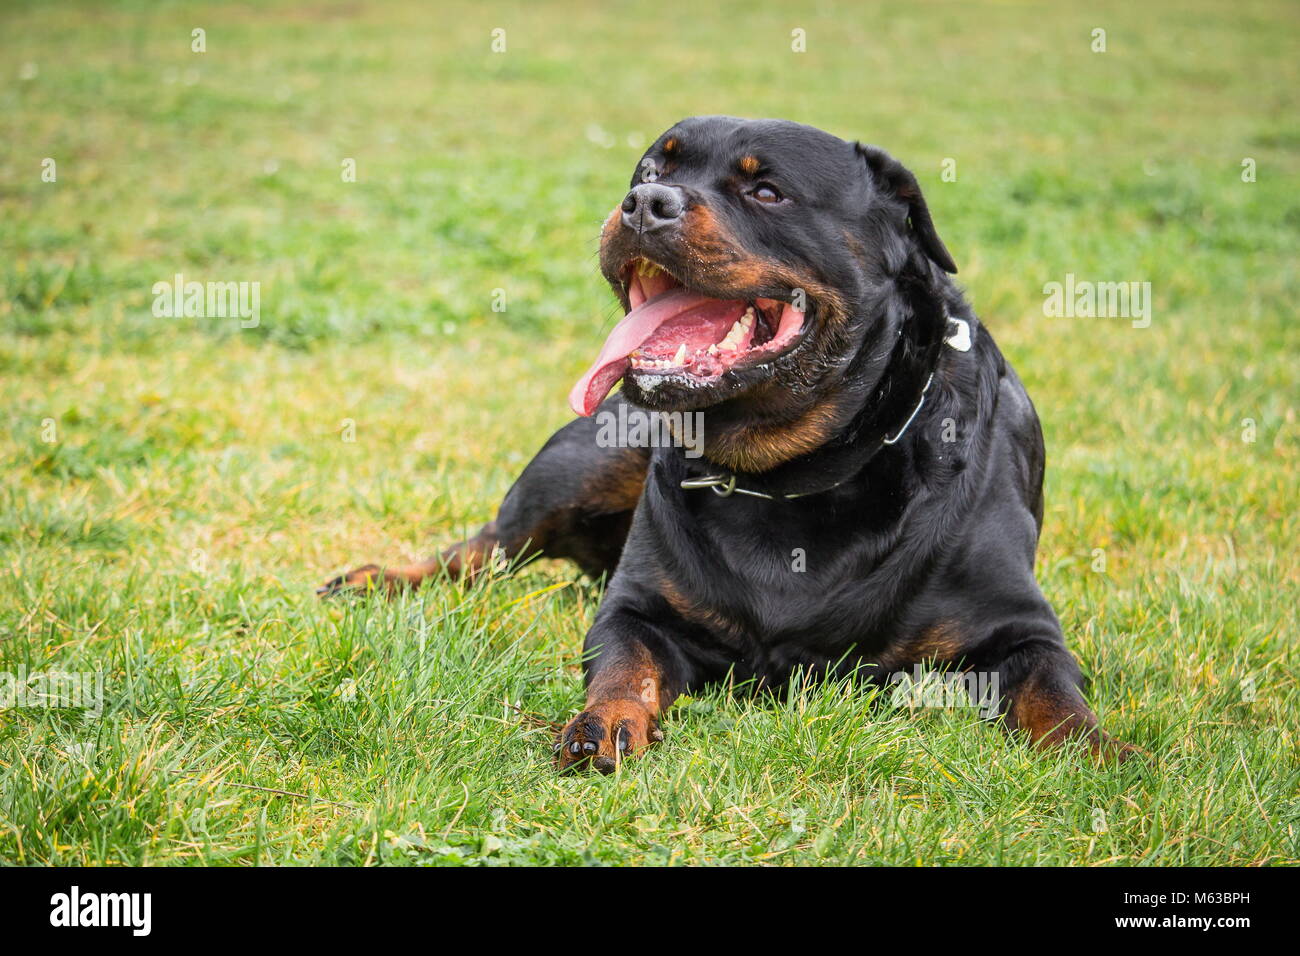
column 604, row 735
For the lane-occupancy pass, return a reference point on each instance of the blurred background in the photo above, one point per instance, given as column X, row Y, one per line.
column 488, row 141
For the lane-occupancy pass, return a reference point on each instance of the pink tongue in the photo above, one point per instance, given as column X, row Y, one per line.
column 635, row 328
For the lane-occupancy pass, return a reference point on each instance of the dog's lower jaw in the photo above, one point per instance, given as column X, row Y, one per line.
column 758, row 446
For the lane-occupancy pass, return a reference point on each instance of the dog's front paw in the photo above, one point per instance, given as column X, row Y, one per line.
column 605, row 734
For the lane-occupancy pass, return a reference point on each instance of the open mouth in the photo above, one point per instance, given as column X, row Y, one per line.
column 674, row 332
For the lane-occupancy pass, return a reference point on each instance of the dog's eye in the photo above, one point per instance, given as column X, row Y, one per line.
column 766, row 192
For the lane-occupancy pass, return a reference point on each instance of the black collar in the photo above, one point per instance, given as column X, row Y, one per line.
column 883, row 420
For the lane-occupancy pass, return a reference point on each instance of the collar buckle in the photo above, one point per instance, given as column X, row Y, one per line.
column 720, row 485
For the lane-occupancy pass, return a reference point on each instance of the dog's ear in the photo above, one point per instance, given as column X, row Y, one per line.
column 897, row 179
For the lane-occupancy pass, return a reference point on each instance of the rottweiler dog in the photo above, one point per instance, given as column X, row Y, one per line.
column 865, row 490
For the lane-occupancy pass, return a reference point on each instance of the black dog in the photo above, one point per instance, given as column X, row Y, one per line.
column 870, row 485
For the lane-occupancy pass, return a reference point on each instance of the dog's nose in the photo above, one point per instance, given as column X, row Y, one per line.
column 652, row 206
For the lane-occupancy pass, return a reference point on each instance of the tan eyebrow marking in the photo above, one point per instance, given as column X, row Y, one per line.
column 670, row 144
column 749, row 164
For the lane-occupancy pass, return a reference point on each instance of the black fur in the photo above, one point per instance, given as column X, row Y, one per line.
column 915, row 551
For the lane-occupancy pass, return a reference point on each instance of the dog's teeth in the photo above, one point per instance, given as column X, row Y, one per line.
column 680, row 357
column 713, row 349
column 733, row 337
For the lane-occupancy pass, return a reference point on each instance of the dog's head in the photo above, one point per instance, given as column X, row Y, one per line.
column 752, row 258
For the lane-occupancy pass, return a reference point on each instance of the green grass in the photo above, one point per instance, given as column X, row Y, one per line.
column 199, row 485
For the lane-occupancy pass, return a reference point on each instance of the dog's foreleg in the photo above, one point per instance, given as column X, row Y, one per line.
column 633, row 675
column 1041, row 698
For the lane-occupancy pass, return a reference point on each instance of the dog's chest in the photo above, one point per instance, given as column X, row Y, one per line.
column 773, row 580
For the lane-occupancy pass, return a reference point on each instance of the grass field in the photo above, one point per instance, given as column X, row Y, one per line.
column 174, row 488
